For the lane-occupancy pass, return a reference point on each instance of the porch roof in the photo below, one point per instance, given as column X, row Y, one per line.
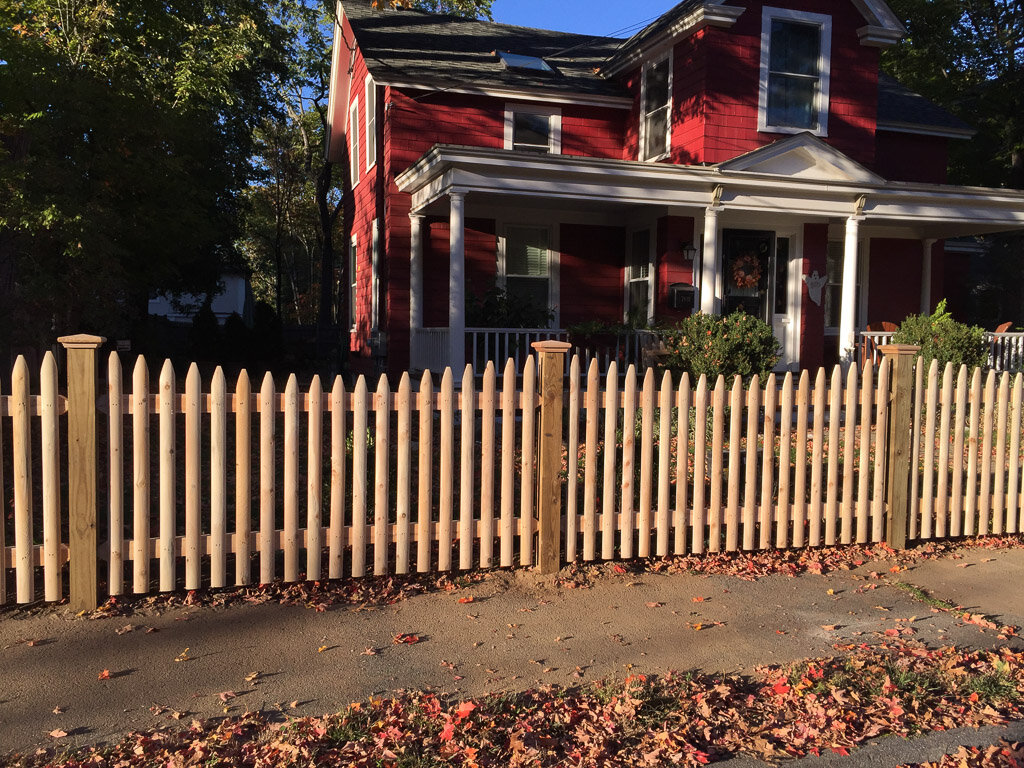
column 804, row 178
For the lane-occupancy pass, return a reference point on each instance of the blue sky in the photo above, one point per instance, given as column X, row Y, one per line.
column 591, row 17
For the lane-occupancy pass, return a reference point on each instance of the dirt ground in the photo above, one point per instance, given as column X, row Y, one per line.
column 520, row 630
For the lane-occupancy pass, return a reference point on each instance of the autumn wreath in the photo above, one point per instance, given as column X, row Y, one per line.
column 746, row 270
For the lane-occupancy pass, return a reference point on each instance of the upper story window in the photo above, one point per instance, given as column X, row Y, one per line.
column 530, row 128
column 795, row 63
column 371, row 122
column 656, row 108
column 353, row 141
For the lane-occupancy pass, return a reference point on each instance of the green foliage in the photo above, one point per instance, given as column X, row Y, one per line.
column 470, row 8
column 968, row 56
column 125, row 131
column 739, row 344
column 495, row 308
column 944, row 339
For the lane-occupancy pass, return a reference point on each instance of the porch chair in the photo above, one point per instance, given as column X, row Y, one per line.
column 1004, row 327
column 868, row 348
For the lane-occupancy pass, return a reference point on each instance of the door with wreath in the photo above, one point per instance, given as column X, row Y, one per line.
column 747, row 263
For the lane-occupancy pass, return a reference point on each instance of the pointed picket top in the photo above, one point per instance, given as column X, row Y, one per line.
column 242, row 383
column 166, row 382
column 140, row 370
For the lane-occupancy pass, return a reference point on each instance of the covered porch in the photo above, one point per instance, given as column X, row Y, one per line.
column 794, row 232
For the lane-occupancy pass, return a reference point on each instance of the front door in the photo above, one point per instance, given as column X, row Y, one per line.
column 747, row 263
column 756, row 280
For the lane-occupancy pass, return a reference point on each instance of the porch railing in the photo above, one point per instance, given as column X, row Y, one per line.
column 1005, row 350
column 484, row 345
column 428, row 349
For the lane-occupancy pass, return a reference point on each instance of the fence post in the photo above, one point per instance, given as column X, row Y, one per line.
column 549, row 458
column 81, row 350
column 898, row 461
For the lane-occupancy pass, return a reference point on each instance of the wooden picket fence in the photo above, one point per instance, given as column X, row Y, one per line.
column 203, row 486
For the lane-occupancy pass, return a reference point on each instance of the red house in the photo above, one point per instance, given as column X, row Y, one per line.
column 728, row 155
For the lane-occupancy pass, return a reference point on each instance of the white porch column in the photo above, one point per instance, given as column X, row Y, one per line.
column 710, row 301
column 457, row 283
column 848, row 301
column 926, row 275
column 415, row 279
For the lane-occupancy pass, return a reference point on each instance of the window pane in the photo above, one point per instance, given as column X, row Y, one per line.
column 795, row 48
column 655, row 133
column 530, row 131
column 834, row 261
column 640, row 254
column 791, row 101
column 656, row 86
column 526, row 252
column 638, row 304
column 531, row 292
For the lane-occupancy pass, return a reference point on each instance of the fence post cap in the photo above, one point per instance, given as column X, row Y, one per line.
column 898, row 350
column 550, row 345
column 81, row 341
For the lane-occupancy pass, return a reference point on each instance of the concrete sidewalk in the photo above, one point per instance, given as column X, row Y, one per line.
column 520, row 630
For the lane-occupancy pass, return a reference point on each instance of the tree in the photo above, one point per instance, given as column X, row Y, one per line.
column 968, row 56
column 125, row 140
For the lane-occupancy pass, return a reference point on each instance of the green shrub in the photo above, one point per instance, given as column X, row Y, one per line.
column 739, row 344
column 944, row 339
column 496, row 308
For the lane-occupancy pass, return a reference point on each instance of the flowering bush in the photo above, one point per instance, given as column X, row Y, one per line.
column 739, row 344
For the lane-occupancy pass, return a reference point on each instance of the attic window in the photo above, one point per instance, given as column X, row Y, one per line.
column 519, row 61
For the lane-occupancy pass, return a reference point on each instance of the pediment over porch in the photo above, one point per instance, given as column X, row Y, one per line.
column 802, row 156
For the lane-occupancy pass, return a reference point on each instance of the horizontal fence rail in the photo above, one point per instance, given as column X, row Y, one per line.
column 211, row 483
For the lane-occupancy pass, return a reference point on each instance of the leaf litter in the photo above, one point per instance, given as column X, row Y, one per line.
column 809, row 707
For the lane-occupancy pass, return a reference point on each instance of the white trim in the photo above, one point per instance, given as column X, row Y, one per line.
column 923, row 130
column 375, row 276
column 353, row 142
column 824, row 23
column 667, row 56
column 711, row 14
column 533, row 94
column 878, row 37
column 370, row 100
column 554, row 115
column 353, row 282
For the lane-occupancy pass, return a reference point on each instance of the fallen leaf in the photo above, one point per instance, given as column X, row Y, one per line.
column 183, row 656
column 58, row 710
column 468, row 599
column 655, row 605
column 225, row 695
column 252, row 676
column 57, row 733
column 405, row 638
column 104, row 675
column 828, row 627
column 294, row 704
column 464, row 710
column 321, row 649
column 699, row 599
column 124, row 630
column 369, row 652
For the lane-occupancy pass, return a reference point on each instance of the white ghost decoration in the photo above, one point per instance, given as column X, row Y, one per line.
column 815, row 283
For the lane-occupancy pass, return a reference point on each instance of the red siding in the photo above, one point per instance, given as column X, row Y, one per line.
column 812, row 316
column 894, row 281
column 673, row 233
column 911, row 157
column 689, row 99
column 733, row 71
column 481, row 266
column 590, row 273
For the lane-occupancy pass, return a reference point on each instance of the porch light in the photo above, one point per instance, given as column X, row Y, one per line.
column 689, row 251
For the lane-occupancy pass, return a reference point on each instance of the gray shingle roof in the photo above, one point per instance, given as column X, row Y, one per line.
column 438, row 50
column 901, row 106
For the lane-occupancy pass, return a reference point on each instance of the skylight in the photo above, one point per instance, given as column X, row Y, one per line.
column 519, row 61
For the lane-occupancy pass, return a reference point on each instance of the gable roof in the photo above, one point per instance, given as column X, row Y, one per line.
column 902, row 110
column 802, row 156
column 416, row 48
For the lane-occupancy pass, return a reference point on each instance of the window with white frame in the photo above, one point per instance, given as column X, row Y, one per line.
column 833, row 292
column 371, row 122
column 352, row 253
column 639, row 288
column 656, row 108
column 795, row 63
column 526, row 267
column 531, row 128
column 353, row 141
